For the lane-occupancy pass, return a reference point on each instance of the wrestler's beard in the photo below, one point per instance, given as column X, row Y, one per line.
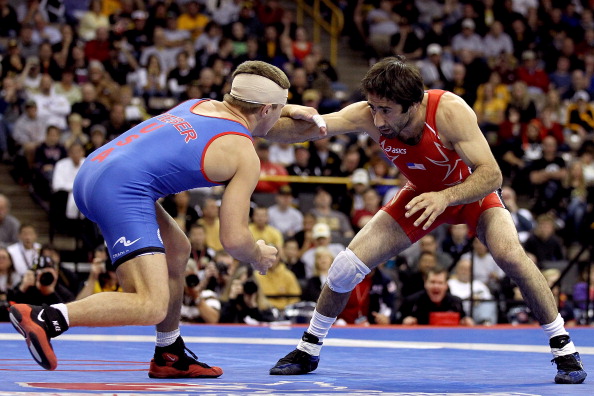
column 392, row 133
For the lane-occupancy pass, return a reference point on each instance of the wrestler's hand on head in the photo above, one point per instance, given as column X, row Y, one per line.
column 267, row 257
column 432, row 204
column 308, row 114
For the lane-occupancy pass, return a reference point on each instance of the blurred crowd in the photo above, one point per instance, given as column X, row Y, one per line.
column 76, row 74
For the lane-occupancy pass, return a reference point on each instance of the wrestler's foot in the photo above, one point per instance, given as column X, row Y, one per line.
column 39, row 324
column 569, row 369
column 173, row 362
column 295, row 363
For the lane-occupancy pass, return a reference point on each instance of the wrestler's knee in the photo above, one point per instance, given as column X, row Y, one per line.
column 155, row 309
column 346, row 272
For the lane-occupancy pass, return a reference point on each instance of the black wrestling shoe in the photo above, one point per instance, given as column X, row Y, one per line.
column 570, row 369
column 39, row 324
column 298, row 362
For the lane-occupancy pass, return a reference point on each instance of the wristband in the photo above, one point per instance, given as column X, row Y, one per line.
column 319, row 121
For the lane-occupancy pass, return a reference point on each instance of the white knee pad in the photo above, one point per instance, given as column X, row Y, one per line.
column 346, row 272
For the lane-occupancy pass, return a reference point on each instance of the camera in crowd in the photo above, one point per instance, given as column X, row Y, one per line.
column 192, row 280
column 250, row 287
column 42, row 263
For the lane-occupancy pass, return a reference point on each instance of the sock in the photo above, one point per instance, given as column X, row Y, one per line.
column 560, row 346
column 319, row 327
column 63, row 310
column 167, row 338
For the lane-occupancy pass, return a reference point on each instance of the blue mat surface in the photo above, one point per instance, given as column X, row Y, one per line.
column 355, row 360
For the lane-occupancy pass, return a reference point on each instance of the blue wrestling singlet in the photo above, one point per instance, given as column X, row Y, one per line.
column 119, row 183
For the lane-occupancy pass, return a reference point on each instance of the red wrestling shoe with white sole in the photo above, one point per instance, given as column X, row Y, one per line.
column 173, row 362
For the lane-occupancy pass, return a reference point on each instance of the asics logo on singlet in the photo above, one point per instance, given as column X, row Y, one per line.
column 125, row 242
column 394, row 150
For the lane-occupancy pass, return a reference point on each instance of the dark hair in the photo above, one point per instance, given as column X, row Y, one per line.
column 394, row 79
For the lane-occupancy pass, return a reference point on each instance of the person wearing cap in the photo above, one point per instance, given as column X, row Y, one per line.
column 434, row 139
column 468, row 39
column 283, row 216
column 436, row 69
column 321, row 236
column 199, row 143
column 535, row 77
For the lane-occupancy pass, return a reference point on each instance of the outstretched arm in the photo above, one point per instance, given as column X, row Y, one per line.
column 297, row 123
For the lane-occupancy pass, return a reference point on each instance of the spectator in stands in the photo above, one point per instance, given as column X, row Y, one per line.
column 199, row 252
column 9, row 23
column 338, row 222
column 199, row 305
column 244, row 301
column 521, row 99
column 13, row 62
column 283, row 216
column 497, row 42
column 116, row 124
column 301, row 46
column 28, row 133
column 321, row 236
column 323, row 258
column 97, row 139
column 304, row 237
column 485, row 269
column 101, row 277
column 178, row 206
column 174, row 37
column 461, row 85
column 575, row 203
column 9, row 279
column 193, row 19
column 268, row 168
column 25, row 252
column 66, row 278
column 67, row 87
column 468, row 39
column 371, row 205
column 382, row 25
column 98, row 48
column 139, row 35
column 279, row 285
column 457, row 241
column 546, row 175
column 302, row 167
column 543, row 243
column 560, row 78
column 282, row 153
column 106, row 89
column 372, row 301
column 47, row 62
column 483, row 312
column 46, row 155
column 9, row 225
column 90, row 109
column 412, row 277
column 291, row 256
column 180, row 75
column 261, row 229
column 532, row 74
column 522, row 217
column 417, row 309
column 91, row 20
column 150, row 80
column 120, row 62
column 51, row 107
column 580, row 116
column 406, row 41
column 210, row 222
column 65, row 171
column 165, row 55
column 353, row 199
column 489, row 109
column 40, row 285
column 435, row 69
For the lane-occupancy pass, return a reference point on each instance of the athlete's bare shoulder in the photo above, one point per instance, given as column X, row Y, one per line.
column 454, row 118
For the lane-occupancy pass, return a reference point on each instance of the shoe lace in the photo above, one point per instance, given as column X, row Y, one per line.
column 193, row 359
